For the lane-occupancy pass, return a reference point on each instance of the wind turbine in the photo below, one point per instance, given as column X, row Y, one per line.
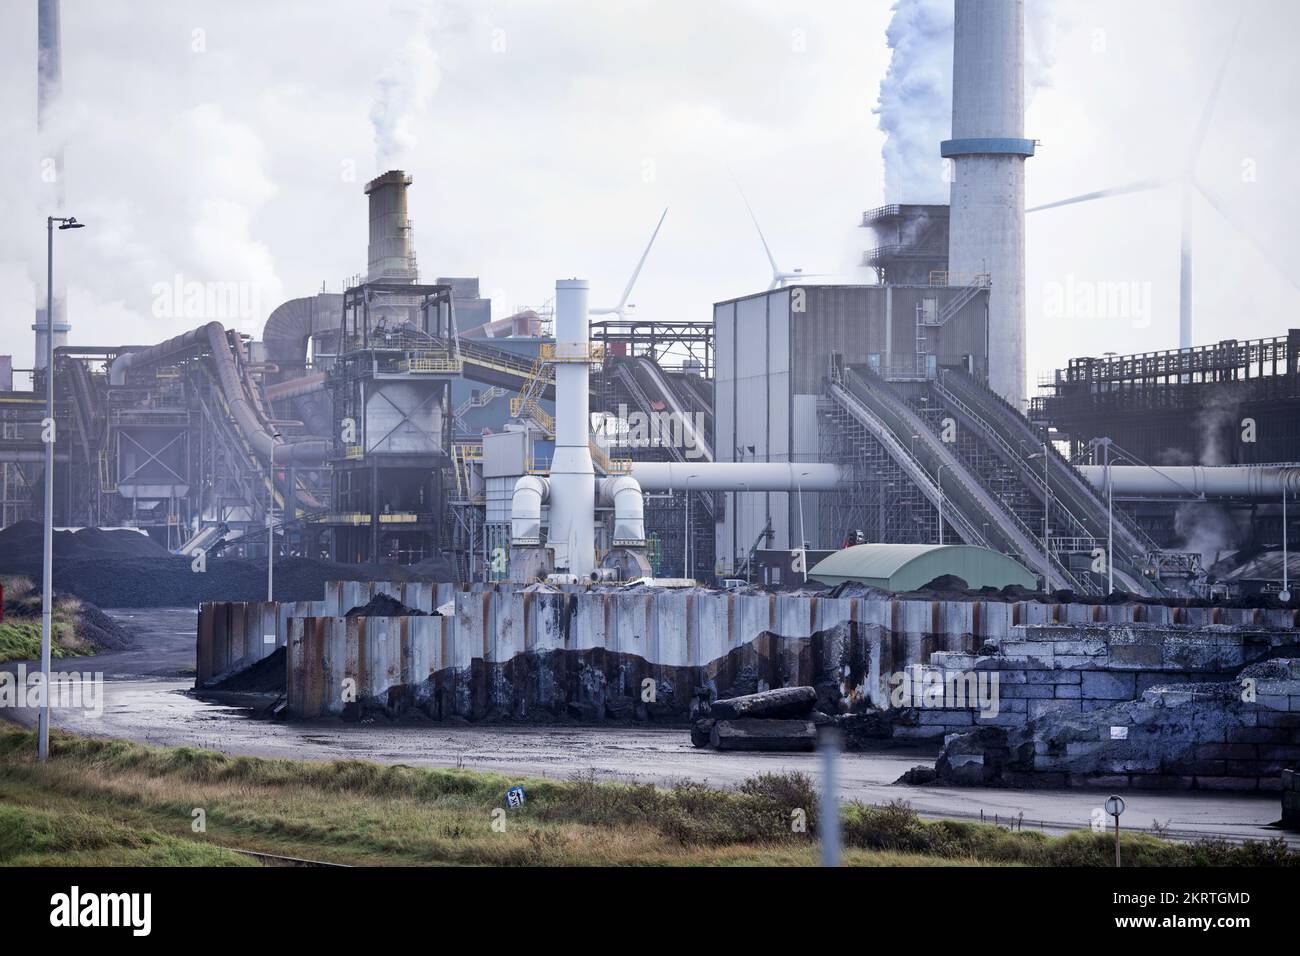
column 1190, row 185
column 779, row 278
column 621, row 309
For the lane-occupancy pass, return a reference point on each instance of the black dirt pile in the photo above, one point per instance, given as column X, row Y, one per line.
column 24, row 542
column 267, row 676
column 172, row 582
column 381, row 605
column 100, row 629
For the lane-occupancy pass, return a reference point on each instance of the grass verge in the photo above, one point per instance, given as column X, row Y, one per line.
column 20, row 631
column 109, row 801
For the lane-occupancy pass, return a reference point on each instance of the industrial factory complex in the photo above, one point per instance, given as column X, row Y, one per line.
column 576, row 514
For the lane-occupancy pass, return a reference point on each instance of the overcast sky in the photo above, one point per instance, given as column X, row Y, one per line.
column 229, row 140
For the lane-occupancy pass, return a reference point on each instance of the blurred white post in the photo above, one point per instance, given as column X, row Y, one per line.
column 829, row 815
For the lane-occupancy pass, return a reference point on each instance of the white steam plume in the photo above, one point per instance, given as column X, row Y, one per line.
column 915, row 106
column 404, row 90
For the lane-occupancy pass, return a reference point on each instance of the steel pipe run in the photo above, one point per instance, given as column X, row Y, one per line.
column 213, row 335
column 624, row 493
column 1212, row 481
column 526, row 509
column 736, row 476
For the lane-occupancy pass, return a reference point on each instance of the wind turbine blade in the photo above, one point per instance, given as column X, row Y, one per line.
column 1142, row 185
column 1185, row 271
column 775, row 269
column 627, row 290
column 1263, row 248
column 1207, row 112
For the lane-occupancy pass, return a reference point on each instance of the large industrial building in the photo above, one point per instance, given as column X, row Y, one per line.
column 400, row 421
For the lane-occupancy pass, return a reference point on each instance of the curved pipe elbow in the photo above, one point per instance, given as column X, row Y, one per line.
column 624, row 493
column 526, row 509
column 117, row 370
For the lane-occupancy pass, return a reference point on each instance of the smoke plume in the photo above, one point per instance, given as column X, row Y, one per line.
column 404, row 90
column 915, row 106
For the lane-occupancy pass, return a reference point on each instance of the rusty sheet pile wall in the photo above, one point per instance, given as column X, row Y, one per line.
column 587, row 653
column 581, row 652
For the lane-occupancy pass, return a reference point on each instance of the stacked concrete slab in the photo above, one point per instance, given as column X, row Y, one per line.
column 1075, row 669
column 1238, row 734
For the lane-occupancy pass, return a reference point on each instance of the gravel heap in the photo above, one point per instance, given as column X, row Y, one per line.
column 381, row 605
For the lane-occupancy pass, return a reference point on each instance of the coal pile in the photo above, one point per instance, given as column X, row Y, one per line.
column 172, row 582
column 381, row 605
column 267, row 676
column 23, row 542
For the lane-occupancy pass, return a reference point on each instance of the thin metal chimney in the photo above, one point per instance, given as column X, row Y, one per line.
column 391, row 255
column 49, row 85
column 986, row 232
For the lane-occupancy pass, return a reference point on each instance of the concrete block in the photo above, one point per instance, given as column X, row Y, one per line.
column 1105, row 685
column 1068, row 691
column 1226, row 752
column 1037, row 708
column 1226, row 783
column 1049, row 677
column 1136, row 655
column 1085, row 648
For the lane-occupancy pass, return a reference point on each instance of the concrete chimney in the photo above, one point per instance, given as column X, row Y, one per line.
column 988, row 151
column 391, row 255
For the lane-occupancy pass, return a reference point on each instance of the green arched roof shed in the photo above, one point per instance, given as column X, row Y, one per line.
column 906, row 567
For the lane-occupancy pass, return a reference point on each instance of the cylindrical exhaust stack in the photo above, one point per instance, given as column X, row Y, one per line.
column 49, row 84
column 391, row 252
column 988, row 151
column 572, row 533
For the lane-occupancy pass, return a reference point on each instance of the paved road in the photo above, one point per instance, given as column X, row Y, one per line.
column 146, row 700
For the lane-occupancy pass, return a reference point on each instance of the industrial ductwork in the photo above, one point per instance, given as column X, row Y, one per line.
column 624, row 493
column 531, row 492
column 736, row 476
column 1212, row 481
column 254, row 429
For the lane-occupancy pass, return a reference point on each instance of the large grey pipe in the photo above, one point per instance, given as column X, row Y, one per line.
column 1214, row 481
column 214, row 336
column 735, row 476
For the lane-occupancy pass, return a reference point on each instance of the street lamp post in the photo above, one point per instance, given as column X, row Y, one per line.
column 686, row 544
column 939, row 481
column 803, row 535
column 1286, row 589
column 48, row 436
column 270, row 526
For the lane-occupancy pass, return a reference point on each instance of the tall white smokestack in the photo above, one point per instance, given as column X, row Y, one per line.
column 572, row 534
column 986, row 233
column 49, row 85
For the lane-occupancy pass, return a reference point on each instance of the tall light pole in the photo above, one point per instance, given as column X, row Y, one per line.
column 686, row 544
column 939, row 481
column 1286, row 589
column 48, row 436
column 270, row 525
column 803, row 535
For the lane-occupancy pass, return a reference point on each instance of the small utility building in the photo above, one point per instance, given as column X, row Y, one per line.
column 908, row 567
